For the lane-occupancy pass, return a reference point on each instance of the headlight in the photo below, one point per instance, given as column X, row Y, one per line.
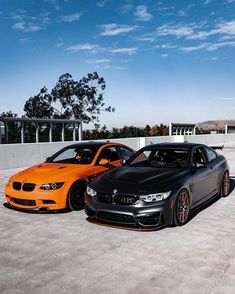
column 155, row 197
column 90, row 191
column 51, row 186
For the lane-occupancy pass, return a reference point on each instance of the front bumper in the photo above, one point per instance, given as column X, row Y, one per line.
column 136, row 215
column 36, row 200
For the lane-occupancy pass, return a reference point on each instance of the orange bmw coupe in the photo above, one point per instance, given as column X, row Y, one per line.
column 60, row 182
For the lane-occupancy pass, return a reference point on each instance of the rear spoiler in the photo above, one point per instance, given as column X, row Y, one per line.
column 217, row 147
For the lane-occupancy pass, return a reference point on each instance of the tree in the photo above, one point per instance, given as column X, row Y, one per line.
column 13, row 128
column 82, row 100
column 39, row 106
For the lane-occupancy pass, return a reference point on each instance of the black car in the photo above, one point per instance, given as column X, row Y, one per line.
column 158, row 185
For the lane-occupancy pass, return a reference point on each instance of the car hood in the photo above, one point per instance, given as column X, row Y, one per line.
column 48, row 172
column 138, row 180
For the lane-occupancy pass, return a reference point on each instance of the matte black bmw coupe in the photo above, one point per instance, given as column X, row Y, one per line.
column 158, row 186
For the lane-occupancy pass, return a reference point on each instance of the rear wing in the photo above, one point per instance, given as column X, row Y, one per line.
column 217, row 147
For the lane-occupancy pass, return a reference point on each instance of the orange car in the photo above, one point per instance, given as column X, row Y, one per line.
column 60, row 182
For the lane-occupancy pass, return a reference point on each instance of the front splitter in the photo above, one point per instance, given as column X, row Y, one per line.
column 124, row 227
column 38, row 210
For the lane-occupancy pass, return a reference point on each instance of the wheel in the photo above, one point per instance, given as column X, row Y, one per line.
column 225, row 186
column 76, row 196
column 182, row 208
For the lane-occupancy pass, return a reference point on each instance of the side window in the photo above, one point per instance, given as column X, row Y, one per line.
column 124, row 152
column 142, row 157
column 210, row 154
column 199, row 156
column 109, row 153
column 67, row 154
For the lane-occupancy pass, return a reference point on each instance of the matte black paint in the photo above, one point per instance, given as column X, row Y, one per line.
column 202, row 183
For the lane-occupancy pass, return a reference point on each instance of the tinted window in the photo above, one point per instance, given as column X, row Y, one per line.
column 109, row 153
column 125, row 153
column 199, row 156
column 75, row 155
column 161, row 157
column 210, row 154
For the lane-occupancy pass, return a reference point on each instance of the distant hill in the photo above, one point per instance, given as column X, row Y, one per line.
column 215, row 124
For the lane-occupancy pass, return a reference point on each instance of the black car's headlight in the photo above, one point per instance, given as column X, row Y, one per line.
column 90, row 191
column 52, row 186
column 155, row 197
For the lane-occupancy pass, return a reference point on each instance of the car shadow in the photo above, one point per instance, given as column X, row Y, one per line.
column 209, row 203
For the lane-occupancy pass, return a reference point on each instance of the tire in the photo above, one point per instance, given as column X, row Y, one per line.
column 225, row 185
column 76, row 196
column 182, row 208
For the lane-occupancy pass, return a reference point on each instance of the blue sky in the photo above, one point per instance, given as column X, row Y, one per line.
column 163, row 61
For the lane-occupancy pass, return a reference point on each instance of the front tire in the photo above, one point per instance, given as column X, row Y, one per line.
column 225, row 185
column 182, row 208
column 76, row 196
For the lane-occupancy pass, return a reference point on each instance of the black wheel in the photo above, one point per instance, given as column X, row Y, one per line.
column 182, row 208
column 225, row 186
column 76, row 196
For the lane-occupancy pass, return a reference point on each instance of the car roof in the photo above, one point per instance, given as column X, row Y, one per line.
column 92, row 144
column 185, row 145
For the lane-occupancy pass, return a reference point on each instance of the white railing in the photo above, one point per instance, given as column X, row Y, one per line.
column 21, row 155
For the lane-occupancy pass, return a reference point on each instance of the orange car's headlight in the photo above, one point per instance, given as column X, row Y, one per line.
column 52, row 186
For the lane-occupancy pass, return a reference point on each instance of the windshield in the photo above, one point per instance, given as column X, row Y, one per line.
column 75, row 155
column 161, row 157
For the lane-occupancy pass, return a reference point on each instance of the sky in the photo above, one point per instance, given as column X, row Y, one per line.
column 163, row 61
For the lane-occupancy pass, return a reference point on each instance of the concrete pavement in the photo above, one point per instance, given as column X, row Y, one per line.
column 63, row 253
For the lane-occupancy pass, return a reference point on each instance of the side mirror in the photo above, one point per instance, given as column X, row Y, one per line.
column 48, row 159
column 103, row 161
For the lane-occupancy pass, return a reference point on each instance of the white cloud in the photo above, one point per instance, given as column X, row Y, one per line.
column 206, row 2
column 166, row 46
column 194, row 48
column 85, row 47
column 178, row 31
column 128, row 51
column 71, row 17
column 99, row 61
column 102, row 3
column 126, row 8
column 165, row 55
column 25, row 40
column 114, row 29
column 208, row 46
column 26, row 23
column 26, row 27
column 19, row 26
column 142, row 13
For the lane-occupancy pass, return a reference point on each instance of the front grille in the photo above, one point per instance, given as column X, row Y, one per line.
column 117, row 199
column 106, row 198
column 115, row 217
column 24, row 202
column 28, row 187
column 17, row 186
column 123, row 199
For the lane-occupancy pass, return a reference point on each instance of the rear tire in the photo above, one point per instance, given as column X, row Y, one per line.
column 225, row 185
column 182, row 208
column 76, row 196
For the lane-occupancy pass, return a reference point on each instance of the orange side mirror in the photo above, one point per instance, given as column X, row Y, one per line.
column 103, row 161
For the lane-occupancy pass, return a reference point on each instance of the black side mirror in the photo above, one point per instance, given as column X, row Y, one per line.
column 48, row 159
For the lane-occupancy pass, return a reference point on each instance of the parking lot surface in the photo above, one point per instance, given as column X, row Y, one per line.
column 64, row 253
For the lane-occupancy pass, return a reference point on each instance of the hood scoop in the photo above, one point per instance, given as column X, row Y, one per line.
column 62, row 167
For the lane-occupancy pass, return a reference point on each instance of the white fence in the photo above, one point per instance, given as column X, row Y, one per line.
column 21, row 155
